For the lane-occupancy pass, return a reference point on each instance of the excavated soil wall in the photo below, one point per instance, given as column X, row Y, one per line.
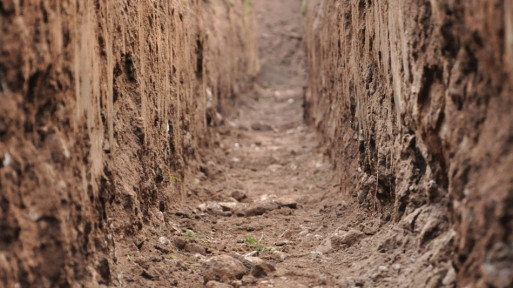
column 103, row 108
column 415, row 104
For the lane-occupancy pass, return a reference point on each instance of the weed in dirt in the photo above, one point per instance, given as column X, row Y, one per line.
column 192, row 235
column 198, row 237
column 247, row 9
column 317, row 177
column 131, row 260
column 173, row 177
column 303, row 8
column 256, row 244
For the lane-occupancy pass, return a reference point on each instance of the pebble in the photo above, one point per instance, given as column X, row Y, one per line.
column 7, row 160
column 223, row 268
column 287, row 201
column 163, row 240
column 279, row 256
column 450, row 277
column 348, row 238
column 282, row 243
column 239, row 195
column 325, row 247
column 216, row 208
column 256, row 266
column 259, row 267
column 260, row 208
column 228, row 206
column 195, row 248
column 261, row 127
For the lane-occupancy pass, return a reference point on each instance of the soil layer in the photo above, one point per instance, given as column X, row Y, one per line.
column 103, row 107
column 415, row 104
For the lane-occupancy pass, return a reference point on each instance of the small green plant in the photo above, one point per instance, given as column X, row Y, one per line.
column 173, row 177
column 198, row 237
column 256, row 244
column 317, row 177
column 303, row 8
column 192, row 235
column 247, row 10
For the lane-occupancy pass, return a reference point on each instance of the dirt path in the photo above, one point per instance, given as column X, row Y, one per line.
column 265, row 210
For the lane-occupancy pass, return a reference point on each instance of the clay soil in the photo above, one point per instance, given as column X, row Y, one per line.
column 266, row 196
column 268, row 191
column 266, row 206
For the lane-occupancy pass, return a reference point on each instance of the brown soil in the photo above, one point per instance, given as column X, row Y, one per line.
column 103, row 109
column 310, row 234
column 149, row 146
column 415, row 104
column 267, row 189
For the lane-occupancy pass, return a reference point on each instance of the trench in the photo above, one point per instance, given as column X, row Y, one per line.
column 238, row 143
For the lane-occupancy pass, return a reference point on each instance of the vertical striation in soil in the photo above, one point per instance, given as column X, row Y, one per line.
column 103, row 107
column 415, row 102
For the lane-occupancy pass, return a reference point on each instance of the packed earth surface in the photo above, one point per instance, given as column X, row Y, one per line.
column 237, row 143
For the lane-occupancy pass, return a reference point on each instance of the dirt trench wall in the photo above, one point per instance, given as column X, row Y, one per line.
column 103, row 107
column 415, row 103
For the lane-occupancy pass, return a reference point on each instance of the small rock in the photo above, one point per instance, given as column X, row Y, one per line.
column 348, row 238
column 274, row 167
column 279, row 256
column 180, row 243
column 262, row 270
column 7, row 160
column 211, row 169
column 287, row 201
column 396, row 267
column 219, row 118
column 282, row 243
column 163, row 240
column 200, row 258
column 359, row 282
column 215, row 284
column 248, row 280
column 259, row 267
column 238, row 195
column 256, row 266
column 450, row 277
column 325, row 246
column 223, row 268
column 215, row 208
column 408, row 221
column 260, row 209
column 195, row 248
column 228, row 206
column 261, row 127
